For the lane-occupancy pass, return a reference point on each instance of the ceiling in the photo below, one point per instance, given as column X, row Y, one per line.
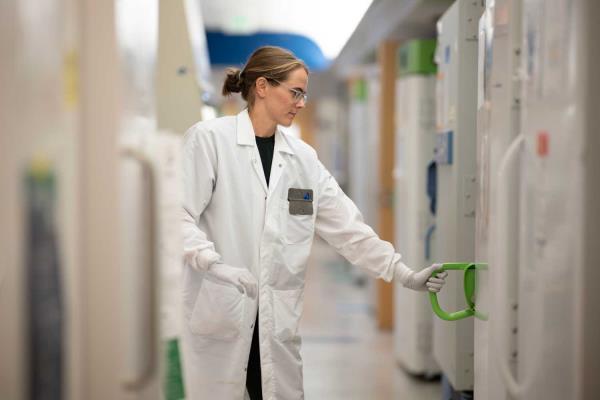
column 327, row 24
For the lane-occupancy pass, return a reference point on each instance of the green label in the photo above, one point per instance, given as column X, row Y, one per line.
column 417, row 57
column 173, row 375
column 359, row 89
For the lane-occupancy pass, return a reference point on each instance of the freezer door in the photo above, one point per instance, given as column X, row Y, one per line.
column 558, row 67
column 456, row 103
column 413, row 219
column 498, row 125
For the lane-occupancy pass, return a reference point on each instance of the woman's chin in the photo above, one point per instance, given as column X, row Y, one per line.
column 287, row 121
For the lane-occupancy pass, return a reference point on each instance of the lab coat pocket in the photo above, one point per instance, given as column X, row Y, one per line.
column 297, row 229
column 287, row 309
column 218, row 312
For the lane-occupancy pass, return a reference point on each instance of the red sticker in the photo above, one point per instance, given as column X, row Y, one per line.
column 543, row 143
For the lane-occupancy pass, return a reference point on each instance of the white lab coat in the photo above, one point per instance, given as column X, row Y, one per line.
column 230, row 215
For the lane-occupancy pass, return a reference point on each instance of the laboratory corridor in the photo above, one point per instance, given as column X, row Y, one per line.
column 284, row 200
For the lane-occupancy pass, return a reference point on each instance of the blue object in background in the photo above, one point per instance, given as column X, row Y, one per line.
column 428, row 236
column 234, row 50
column 432, row 186
column 432, row 195
column 448, row 392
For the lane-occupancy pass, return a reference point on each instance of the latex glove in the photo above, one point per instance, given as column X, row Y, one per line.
column 421, row 280
column 240, row 278
column 200, row 260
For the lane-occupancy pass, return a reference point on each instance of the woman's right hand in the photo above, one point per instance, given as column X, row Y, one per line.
column 241, row 278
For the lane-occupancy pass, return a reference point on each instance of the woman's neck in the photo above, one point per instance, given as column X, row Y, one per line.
column 262, row 125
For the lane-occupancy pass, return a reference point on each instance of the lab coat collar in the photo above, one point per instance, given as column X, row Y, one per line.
column 245, row 134
column 245, row 131
column 281, row 142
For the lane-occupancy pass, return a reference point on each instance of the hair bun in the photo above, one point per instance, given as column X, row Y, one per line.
column 233, row 82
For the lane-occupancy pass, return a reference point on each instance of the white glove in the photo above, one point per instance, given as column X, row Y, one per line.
column 200, row 260
column 421, row 280
column 240, row 278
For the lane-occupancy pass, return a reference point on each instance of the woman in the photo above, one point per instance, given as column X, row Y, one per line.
column 254, row 198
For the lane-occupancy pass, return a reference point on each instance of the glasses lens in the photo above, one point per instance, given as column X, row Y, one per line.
column 297, row 94
column 300, row 96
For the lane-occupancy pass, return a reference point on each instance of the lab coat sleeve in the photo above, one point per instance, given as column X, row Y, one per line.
column 340, row 223
column 199, row 181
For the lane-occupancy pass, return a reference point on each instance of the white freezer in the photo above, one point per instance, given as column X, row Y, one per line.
column 558, row 323
column 415, row 125
column 498, row 124
column 363, row 127
column 85, row 77
column 363, row 157
column 372, row 151
column 456, row 99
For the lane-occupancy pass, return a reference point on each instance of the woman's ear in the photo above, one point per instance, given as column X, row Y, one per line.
column 261, row 87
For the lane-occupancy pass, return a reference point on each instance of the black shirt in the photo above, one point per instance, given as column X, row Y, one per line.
column 265, row 148
column 266, row 145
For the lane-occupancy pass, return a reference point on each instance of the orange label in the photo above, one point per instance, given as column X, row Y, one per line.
column 543, row 143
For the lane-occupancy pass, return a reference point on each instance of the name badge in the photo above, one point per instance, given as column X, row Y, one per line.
column 301, row 201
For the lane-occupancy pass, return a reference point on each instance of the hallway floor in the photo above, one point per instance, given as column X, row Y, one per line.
column 345, row 356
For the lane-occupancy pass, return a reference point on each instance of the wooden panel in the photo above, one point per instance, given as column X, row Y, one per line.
column 306, row 122
column 387, row 63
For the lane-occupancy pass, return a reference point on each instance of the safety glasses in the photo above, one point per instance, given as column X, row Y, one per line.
column 296, row 94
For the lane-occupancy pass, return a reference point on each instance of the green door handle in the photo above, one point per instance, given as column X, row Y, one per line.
column 469, row 289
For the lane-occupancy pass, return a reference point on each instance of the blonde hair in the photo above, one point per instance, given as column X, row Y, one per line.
column 272, row 63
